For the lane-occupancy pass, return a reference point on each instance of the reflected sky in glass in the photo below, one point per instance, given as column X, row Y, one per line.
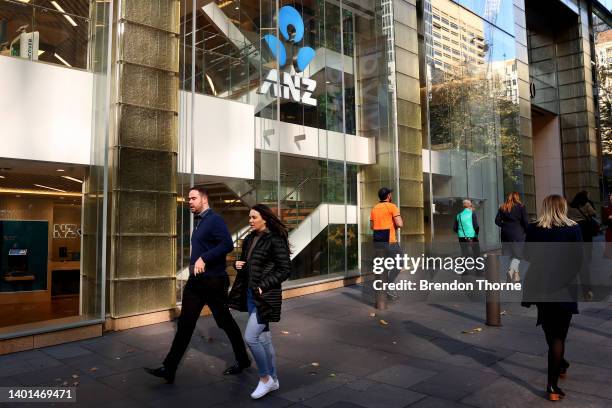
column 497, row 12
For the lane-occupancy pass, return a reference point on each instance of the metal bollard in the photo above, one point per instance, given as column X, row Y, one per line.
column 492, row 297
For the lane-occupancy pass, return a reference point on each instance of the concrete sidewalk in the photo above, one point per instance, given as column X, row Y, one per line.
column 333, row 353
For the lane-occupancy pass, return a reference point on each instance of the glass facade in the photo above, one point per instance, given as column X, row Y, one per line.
column 54, row 59
column 471, row 102
column 315, row 191
column 308, row 107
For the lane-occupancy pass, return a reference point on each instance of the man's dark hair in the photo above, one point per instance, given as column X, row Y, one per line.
column 203, row 191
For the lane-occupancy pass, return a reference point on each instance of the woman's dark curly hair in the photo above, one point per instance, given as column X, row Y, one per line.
column 273, row 223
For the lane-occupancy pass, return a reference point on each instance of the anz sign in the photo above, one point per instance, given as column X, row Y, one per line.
column 292, row 87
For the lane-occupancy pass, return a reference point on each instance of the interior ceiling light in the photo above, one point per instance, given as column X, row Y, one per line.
column 61, row 170
column 73, row 179
column 50, row 188
column 2, row 177
column 212, row 86
column 38, row 192
column 61, row 59
column 225, row 3
column 61, row 10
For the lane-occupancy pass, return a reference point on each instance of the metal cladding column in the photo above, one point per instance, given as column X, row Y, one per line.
column 143, row 157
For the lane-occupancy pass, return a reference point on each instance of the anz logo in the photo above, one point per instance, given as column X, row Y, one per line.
column 292, row 87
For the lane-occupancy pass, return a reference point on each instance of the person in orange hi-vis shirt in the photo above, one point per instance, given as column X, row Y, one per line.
column 385, row 218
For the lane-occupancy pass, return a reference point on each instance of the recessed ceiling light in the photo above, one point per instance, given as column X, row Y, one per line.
column 2, row 177
column 61, row 170
column 61, row 10
column 37, row 192
column 62, row 60
column 18, row 196
column 73, row 179
column 50, row 188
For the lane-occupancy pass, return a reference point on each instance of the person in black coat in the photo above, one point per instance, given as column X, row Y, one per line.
column 550, row 282
column 264, row 264
column 512, row 218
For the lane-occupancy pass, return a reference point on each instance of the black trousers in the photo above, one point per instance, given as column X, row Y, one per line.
column 200, row 291
column 469, row 244
column 388, row 250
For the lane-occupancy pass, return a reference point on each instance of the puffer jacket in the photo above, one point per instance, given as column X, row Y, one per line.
column 268, row 268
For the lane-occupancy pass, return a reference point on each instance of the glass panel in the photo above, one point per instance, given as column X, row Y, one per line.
column 473, row 118
column 52, row 214
column 45, row 32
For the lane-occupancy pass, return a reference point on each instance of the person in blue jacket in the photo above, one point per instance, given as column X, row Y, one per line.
column 208, row 284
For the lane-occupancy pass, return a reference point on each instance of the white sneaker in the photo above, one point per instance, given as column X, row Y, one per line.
column 264, row 388
column 275, row 386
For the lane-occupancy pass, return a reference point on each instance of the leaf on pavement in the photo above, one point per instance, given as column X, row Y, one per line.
column 383, row 322
column 472, row 331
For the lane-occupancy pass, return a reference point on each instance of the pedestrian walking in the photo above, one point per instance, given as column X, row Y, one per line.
column 263, row 265
column 582, row 210
column 549, row 282
column 466, row 227
column 385, row 219
column 207, row 284
column 513, row 220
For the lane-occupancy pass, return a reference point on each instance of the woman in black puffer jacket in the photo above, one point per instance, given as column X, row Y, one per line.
column 263, row 266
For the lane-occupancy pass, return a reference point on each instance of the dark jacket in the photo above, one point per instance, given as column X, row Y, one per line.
column 211, row 241
column 555, row 258
column 513, row 224
column 268, row 267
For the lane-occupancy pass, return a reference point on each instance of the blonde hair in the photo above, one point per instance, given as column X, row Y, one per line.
column 467, row 203
column 554, row 213
column 513, row 199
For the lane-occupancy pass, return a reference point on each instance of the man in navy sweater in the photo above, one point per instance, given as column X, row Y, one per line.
column 207, row 285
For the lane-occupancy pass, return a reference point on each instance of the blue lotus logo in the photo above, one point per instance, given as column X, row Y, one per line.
column 289, row 16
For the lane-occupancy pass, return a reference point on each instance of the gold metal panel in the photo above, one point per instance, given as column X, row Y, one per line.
column 148, row 129
column 144, row 257
column 140, row 296
column 408, row 114
column 149, row 88
column 411, row 194
column 148, row 46
column 145, row 213
column 410, row 140
column 410, row 167
column 146, row 170
column 162, row 14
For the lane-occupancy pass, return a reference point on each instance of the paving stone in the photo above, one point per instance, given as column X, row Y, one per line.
column 505, row 393
column 433, row 402
column 402, row 375
column 66, row 351
column 521, row 365
column 379, row 396
column 305, row 392
column 455, row 383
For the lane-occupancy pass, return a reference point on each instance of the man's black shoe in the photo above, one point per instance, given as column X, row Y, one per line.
column 162, row 372
column 237, row 368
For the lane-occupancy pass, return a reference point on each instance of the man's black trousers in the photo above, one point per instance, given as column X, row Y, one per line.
column 199, row 291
